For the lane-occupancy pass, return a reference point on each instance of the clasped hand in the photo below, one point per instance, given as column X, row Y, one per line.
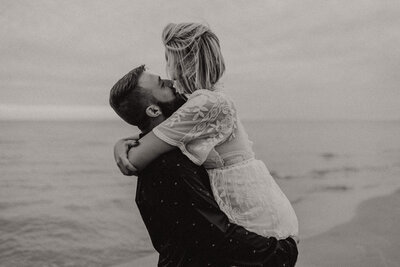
column 121, row 151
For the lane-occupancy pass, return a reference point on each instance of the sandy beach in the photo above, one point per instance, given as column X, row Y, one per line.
column 371, row 238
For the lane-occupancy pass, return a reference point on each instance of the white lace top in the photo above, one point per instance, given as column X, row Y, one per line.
column 207, row 130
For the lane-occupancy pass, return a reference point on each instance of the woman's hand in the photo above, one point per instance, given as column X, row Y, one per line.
column 121, row 150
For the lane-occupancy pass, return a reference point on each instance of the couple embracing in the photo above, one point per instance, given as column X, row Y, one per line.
column 203, row 196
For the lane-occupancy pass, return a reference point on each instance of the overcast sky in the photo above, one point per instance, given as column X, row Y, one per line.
column 285, row 59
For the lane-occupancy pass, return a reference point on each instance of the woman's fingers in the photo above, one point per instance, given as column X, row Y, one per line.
column 127, row 168
column 134, row 137
column 121, row 150
column 132, row 143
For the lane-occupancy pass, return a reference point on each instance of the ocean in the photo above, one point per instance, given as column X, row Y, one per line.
column 63, row 201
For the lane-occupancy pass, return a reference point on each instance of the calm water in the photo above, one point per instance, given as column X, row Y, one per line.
column 63, row 201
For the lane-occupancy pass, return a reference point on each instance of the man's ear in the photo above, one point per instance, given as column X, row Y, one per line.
column 153, row 111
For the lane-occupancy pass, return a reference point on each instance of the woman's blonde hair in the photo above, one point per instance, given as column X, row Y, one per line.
column 193, row 54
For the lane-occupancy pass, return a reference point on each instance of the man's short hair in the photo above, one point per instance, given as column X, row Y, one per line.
column 130, row 100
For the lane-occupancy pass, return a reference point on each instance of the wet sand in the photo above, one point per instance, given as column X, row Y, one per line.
column 370, row 239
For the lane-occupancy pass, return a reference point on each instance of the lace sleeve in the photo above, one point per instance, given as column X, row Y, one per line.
column 204, row 121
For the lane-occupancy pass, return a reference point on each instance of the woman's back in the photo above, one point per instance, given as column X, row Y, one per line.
column 208, row 131
column 236, row 146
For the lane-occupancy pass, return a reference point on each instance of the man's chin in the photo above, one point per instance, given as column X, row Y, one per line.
column 168, row 108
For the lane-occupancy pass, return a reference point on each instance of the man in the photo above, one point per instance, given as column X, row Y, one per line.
column 174, row 195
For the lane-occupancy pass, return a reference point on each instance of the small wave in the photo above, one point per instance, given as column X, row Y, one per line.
column 15, row 204
column 10, row 157
column 81, row 171
column 40, row 257
column 122, row 204
column 78, row 208
column 93, row 143
column 297, row 200
column 323, row 172
column 328, row 155
column 42, row 225
column 335, row 188
column 13, row 142
column 276, row 175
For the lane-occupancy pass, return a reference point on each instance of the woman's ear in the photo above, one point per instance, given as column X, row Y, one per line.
column 153, row 111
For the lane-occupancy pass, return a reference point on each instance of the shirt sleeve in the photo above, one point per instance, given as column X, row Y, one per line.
column 204, row 121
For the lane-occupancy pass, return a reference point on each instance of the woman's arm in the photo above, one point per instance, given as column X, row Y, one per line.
column 121, row 149
column 206, row 118
column 150, row 148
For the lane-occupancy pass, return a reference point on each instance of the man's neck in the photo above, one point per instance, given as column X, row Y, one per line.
column 153, row 123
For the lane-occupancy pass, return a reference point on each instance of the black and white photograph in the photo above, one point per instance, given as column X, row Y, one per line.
column 224, row 133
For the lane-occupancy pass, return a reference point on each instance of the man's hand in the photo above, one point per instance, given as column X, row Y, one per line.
column 121, row 150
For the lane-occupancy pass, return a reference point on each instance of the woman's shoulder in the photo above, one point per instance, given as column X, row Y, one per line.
column 205, row 95
column 205, row 103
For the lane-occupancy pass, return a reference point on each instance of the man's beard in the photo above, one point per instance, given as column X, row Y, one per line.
column 168, row 108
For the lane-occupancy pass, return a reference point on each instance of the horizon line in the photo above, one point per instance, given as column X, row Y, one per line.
column 15, row 112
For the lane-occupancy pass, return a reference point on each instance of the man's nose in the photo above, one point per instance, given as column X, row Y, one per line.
column 168, row 83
